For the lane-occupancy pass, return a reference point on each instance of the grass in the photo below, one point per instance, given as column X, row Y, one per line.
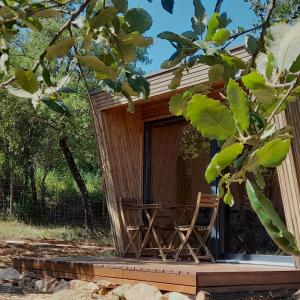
column 16, row 230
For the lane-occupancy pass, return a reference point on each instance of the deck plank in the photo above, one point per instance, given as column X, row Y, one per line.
column 183, row 277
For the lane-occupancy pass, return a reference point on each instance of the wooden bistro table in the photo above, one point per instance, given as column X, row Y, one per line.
column 151, row 212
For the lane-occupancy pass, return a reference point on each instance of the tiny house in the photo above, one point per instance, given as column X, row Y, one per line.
column 156, row 157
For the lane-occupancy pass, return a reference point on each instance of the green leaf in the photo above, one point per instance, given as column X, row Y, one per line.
column 67, row 90
column 211, row 118
column 88, row 41
column 198, row 25
column 257, row 120
column 110, row 86
column 128, row 91
column 175, row 82
column 296, row 65
column 27, row 80
column 238, row 104
column 95, row 64
column 233, row 61
column 104, row 17
column 269, row 66
column 228, row 198
column 128, row 53
column 135, row 39
column 139, row 84
column 57, row 106
column 223, row 180
column 259, row 178
column 46, row 76
column 18, row 92
column 32, row 23
column 190, row 35
column 138, row 19
column 174, row 37
column 272, row 154
column 168, row 5
column 251, row 44
column 284, row 43
column 60, row 49
column 254, row 81
column 173, row 61
column 199, row 10
column 222, row 160
column 121, row 5
column 212, row 26
column 223, row 20
column 178, row 105
column 220, row 37
column 215, row 73
column 270, row 219
column 47, row 13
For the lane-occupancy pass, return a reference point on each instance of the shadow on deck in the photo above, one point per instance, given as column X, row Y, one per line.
column 182, row 277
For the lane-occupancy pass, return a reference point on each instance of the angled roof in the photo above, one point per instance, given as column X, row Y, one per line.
column 160, row 80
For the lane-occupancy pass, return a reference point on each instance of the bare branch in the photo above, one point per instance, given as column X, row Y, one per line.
column 261, row 42
column 233, row 37
column 218, row 6
column 294, row 83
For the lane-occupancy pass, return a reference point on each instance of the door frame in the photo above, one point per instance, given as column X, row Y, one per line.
column 218, row 248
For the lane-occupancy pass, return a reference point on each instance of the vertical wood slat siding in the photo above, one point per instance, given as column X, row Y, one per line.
column 289, row 177
column 120, row 143
column 293, row 114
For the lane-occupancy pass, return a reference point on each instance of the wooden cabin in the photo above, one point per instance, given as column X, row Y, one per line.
column 155, row 157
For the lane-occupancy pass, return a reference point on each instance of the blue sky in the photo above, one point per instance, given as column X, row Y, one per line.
column 238, row 10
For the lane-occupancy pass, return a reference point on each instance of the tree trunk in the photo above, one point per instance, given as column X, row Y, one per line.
column 33, row 184
column 11, row 188
column 88, row 212
column 43, row 188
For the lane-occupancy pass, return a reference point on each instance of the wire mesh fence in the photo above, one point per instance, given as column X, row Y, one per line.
column 66, row 210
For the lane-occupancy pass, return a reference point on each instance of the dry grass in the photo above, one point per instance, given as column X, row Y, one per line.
column 20, row 239
column 15, row 230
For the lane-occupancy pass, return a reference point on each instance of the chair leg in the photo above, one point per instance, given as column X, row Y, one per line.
column 158, row 244
column 203, row 245
column 185, row 243
column 131, row 243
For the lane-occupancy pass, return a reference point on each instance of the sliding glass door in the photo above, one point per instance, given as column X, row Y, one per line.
column 175, row 160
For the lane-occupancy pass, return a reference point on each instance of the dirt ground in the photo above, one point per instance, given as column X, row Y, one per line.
column 10, row 249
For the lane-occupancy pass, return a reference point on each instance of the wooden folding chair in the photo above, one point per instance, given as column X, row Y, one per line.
column 201, row 233
column 133, row 225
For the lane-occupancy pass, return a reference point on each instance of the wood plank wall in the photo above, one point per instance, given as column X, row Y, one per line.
column 159, row 83
column 120, row 144
column 288, row 174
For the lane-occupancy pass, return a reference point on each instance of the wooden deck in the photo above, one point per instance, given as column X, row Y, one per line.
column 181, row 277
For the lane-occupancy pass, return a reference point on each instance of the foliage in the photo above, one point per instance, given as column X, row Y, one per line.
column 119, row 30
column 285, row 10
column 241, row 118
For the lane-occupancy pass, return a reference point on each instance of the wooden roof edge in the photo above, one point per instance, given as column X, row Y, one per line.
column 103, row 100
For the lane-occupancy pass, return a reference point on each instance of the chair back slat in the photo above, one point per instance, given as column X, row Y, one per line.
column 130, row 217
column 209, row 201
column 129, row 202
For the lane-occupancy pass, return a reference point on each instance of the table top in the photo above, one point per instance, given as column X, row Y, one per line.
column 161, row 206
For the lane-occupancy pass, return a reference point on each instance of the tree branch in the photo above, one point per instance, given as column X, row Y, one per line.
column 292, row 86
column 218, row 6
column 261, row 42
column 233, row 37
column 74, row 15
